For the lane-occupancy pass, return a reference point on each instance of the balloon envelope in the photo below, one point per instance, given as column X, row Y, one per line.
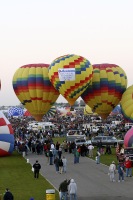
column 127, row 104
column 34, row 89
column 128, row 138
column 15, row 112
column 109, row 81
column 70, row 75
column 6, row 136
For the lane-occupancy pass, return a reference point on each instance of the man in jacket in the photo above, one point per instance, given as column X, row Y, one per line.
column 63, row 189
column 72, row 190
column 8, row 195
column 37, row 168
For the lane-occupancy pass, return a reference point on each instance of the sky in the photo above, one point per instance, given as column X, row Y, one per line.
column 38, row 31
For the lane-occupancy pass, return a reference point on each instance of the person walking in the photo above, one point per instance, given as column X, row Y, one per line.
column 63, row 190
column 37, row 168
column 64, row 160
column 112, row 171
column 8, row 195
column 72, row 190
column 60, row 166
column 56, row 162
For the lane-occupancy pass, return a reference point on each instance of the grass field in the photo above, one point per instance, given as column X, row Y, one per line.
column 16, row 174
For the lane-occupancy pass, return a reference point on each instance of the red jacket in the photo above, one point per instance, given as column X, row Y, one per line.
column 128, row 164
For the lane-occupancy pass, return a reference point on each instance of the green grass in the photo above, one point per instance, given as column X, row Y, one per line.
column 16, row 174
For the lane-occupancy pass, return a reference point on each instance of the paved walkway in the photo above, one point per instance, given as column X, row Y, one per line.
column 92, row 179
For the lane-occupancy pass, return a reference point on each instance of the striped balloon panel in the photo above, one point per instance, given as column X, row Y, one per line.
column 34, row 89
column 6, row 136
column 71, row 89
column 127, row 104
column 109, row 81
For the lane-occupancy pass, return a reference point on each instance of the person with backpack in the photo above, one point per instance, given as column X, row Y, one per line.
column 112, row 171
column 37, row 168
column 8, row 195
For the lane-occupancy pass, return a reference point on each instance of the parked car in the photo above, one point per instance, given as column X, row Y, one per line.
column 80, row 142
column 106, row 140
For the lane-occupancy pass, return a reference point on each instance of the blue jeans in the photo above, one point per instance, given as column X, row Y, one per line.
column 73, row 197
column 129, row 171
column 121, row 176
column 63, row 196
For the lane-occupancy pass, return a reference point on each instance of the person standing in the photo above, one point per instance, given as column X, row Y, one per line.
column 63, row 189
column 128, row 166
column 121, row 171
column 98, row 157
column 90, row 148
column 72, row 190
column 37, row 168
column 56, row 162
column 112, row 171
column 8, row 195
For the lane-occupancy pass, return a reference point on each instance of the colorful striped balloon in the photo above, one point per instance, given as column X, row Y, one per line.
column 70, row 75
column 108, row 84
column 127, row 104
column 33, row 88
column 6, row 136
column 128, row 138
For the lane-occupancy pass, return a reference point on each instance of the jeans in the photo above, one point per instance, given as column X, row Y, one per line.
column 73, row 197
column 129, row 171
column 63, row 196
column 121, row 176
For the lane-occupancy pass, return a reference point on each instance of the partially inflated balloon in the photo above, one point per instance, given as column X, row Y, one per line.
column 70, row 75
column 6, row 136
column 104, row 93
column 34, row 89
column 127, row 103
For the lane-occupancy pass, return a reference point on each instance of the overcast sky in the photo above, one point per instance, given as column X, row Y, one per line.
column 38, row 31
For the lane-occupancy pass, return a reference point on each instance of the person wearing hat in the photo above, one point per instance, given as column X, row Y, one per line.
column 37, row 168
column 8, row 195
column 112, row 171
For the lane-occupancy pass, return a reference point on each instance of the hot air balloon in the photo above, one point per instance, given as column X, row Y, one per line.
column 70, row 75
column 127, row 104
column 15, row 112
column 33, row 88
column 104, row 93
column 6, row 136
column 128, row 138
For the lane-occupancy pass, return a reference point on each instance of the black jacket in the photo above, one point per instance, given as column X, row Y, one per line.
column 8, row 196
column 37, row 166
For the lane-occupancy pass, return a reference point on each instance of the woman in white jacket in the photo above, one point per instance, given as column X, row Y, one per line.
column 72, row 190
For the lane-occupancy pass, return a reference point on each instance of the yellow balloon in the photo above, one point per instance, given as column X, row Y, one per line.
column 33, row 88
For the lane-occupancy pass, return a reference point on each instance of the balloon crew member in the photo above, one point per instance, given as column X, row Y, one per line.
column 8, row 195
column 37, row 168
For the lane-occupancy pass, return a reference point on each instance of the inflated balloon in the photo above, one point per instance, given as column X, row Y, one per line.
column 127, row 103
column 6, row 136
column 70, row 75
column 128, row 138
column 33, row 88
column 104, row 93
column 87, row 110
column 15, row 112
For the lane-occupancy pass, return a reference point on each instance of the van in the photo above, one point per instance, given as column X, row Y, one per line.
column 79, row 142
column 128, row 125
column 74, row 134
column 41, row 125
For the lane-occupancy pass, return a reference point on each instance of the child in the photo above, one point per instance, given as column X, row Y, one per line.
column 112, row 171
column 121, row 171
